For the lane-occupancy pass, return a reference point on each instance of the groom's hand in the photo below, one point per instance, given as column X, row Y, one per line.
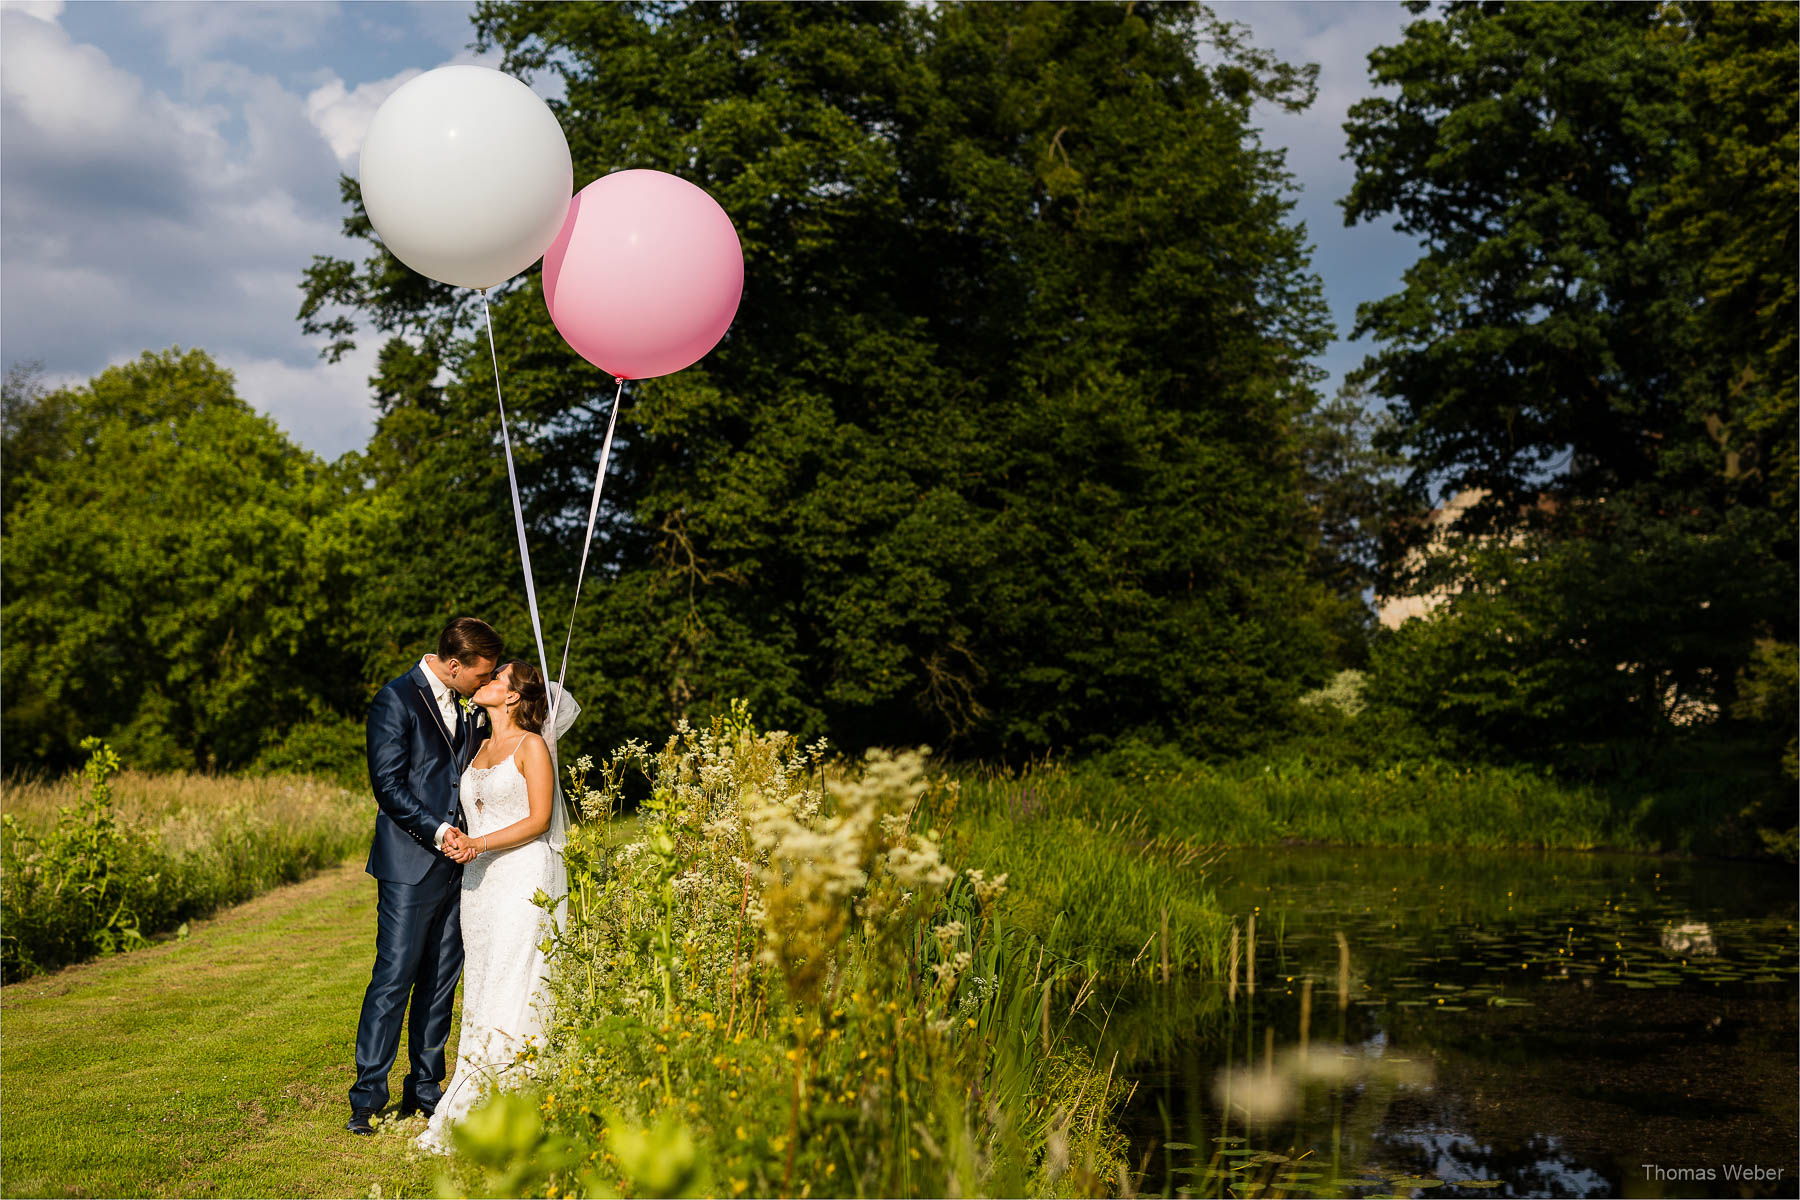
column 458, row 846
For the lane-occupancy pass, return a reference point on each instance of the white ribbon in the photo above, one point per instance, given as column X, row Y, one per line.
column 512, row 480
column 586, row 542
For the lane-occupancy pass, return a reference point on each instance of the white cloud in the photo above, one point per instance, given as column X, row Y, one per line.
column 138, row 221
column 342, row 115
column 43, row 10
column 325, row 407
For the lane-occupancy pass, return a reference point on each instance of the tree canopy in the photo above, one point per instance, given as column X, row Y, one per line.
column 1599, row 333
column 159, row 587
column 1002, row 452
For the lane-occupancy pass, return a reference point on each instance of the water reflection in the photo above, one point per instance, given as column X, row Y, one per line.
column 1405, row 1023
column 1690, row 937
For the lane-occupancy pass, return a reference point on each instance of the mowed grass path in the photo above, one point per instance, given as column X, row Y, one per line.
column 214, row 1066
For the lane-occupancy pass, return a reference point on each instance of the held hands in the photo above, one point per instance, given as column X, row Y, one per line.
column 460, row 847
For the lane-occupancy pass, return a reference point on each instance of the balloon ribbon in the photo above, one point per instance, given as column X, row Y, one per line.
column 512, row 480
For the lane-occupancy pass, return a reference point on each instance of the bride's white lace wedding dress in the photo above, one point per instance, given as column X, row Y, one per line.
column 505, row 972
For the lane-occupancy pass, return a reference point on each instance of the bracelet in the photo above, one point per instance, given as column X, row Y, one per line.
column 484, row 848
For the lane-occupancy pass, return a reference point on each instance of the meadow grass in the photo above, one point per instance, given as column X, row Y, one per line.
column 218, row 1065
column 1258, row 802
column 100, row 861
column 181, row 810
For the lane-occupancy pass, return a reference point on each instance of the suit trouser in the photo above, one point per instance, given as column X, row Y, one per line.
column 418, row 955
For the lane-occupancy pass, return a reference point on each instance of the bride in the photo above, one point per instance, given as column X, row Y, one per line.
column 513, row 849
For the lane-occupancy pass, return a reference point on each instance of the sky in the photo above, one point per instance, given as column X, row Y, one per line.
column 168, row 170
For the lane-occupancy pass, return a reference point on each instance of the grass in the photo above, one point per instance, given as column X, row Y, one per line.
column 217, row 1065
column 98, row 861
column 180, row 809
column 1258, row 802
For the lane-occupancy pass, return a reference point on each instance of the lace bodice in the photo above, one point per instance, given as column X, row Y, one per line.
column 494, row 797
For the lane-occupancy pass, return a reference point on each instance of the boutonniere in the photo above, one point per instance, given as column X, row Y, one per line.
column 468, row 706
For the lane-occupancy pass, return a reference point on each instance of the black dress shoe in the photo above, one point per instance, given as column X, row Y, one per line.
column 408, row 1109
column 359, row 1121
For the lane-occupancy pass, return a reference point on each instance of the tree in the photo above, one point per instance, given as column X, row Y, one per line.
column 1002, row 452
column 1580, row 327
column 1352, row 488
column 158, row 591
column 1729, row 208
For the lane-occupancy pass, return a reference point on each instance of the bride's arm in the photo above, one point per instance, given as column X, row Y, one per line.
column 534, row 764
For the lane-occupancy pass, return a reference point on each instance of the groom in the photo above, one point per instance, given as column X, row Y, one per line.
column 419, row 742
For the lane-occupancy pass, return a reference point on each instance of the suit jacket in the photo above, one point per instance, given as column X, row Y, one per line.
column 415, row 767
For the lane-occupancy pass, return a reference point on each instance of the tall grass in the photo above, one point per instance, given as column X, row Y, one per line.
column 101, row 860
column 792, row 982
column 1256, row 802
column 1127, row 899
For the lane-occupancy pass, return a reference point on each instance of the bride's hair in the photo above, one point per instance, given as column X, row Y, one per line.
column 534, row 698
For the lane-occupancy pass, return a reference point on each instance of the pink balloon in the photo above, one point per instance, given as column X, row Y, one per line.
column 645, row 276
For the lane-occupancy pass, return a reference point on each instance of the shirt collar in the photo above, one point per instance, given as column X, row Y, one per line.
column 439, row 690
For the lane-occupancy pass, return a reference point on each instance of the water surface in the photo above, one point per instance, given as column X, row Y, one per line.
column 1478, row 1023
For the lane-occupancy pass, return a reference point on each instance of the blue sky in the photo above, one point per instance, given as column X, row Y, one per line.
column 168, row 170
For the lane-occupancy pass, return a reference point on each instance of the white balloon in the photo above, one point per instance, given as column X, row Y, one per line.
column 466, row 175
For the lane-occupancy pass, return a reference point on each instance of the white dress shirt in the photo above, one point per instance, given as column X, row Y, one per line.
column 446, row 702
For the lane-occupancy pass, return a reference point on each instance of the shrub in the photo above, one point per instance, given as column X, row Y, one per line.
column 327, row 747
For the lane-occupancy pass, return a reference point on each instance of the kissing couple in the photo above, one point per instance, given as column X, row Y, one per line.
column 469, row 826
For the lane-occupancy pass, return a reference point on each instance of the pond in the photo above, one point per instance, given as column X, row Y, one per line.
column 1476, row 1023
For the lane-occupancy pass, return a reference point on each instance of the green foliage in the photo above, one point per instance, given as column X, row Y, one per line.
column 505, row 1149
column 1729, row 207
column 327, row 747
column 92, row 882
column 1001, row 451
column 1603, row 314
column 1583, row 653
column 781, row 985
column 1526, row 147
column 1769, row 699
column 1354, row 496
column 1193, row 807
column 69, row 892
column 159, row 588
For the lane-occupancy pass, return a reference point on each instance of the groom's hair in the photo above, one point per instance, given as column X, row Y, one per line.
column 534, row 698
column 467, row 639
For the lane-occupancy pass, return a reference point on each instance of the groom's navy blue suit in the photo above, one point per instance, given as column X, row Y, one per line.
column 416, row 766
